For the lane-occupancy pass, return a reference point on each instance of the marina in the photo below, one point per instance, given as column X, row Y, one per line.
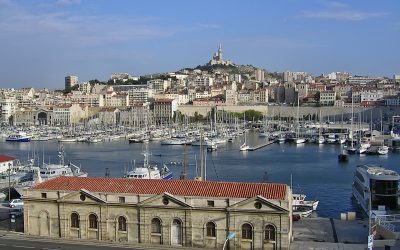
column 315, row 167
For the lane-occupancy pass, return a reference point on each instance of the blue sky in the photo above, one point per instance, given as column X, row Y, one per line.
column 42, row 41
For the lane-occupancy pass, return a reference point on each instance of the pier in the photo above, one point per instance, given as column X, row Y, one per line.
column 261, row 145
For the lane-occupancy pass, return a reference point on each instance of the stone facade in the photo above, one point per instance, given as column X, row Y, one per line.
column 159, row 219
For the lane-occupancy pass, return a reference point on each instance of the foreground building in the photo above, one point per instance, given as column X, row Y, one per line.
column 163, row 212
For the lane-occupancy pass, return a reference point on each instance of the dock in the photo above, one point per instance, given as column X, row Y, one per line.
column 261, row 145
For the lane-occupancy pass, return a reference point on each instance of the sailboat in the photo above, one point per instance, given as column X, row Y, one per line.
column 244, row 146
column 321, row 138
column 352, row 149
column 297, row 139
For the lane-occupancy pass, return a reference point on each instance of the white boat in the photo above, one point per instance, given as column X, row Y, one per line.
column 148, row 171
column 212, row 147
column 299, row 140
column 94, row 140
column 175, row 141
column 300, row 200
column 331, row 138
column 376, row 187
column 383, row 150
column 50, row 171
column 341, row 140
column 67, row 139
column 321, row 139
column 303, row 211
column 18, row 137
column 281, row 139
column 244, row 146
column 364, row 146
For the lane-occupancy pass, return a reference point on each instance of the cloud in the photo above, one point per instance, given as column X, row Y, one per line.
column 342, row 15
column 334, row 4
column 67, row 2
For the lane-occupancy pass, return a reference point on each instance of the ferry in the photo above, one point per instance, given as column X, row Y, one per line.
column 18, row 137
column 376, row 187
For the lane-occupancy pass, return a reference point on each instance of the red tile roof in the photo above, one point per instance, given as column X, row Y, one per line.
column 6, row 158
column 174, row 187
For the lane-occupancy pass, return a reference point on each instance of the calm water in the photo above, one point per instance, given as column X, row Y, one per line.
column 315, row 168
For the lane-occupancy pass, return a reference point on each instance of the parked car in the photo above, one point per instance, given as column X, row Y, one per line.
column 16, row 203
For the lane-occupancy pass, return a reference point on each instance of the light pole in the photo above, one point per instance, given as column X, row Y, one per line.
column 229, row 237
column 9, row 182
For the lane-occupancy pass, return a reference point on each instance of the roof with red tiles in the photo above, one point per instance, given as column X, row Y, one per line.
column 174, row 187
column 6, row 158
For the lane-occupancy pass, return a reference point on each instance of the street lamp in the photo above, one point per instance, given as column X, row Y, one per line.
column 9, row 181
column 229, row 237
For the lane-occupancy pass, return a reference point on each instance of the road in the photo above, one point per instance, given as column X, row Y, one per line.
column 18, row 241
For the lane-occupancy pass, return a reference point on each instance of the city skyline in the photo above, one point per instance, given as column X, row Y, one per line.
column 43, row 41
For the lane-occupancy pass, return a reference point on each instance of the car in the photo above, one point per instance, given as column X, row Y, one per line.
column 16, row 203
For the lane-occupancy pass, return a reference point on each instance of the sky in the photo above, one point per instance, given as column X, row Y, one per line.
column 42, row 41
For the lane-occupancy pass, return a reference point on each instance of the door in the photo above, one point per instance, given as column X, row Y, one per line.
column 176, row 232
column 44, row 224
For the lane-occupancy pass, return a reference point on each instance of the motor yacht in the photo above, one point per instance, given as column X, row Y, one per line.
column 376, row 189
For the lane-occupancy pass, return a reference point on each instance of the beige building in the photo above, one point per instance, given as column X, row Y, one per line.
column 33, row 116
column 163, row 109
column 161, row 212
column 66, row 115
column 327, row 97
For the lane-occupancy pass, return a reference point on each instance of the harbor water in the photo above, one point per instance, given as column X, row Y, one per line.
column 314, row 168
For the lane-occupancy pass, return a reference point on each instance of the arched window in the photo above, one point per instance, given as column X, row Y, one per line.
column 269, row 233
column 121, row 223
column 247, row 232
column 156, row 226
column 93, row 221
column 74, row 220
column 210, row 226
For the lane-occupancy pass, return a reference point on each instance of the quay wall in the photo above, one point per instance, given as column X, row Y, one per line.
column 331, row 113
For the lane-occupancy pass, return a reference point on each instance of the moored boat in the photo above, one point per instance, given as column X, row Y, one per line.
column 376, row 188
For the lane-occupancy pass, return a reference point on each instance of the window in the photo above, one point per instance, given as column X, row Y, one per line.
column 121, row 199
column 165, row 201
column 247, row 232
column 257, row 205
column 121, row 223
column 82, row 197
column 155, row 226
column 210, row 226
column 210, row 203
column 44, row 195
column 269, row 233
column 74, row 220
column 93, row 221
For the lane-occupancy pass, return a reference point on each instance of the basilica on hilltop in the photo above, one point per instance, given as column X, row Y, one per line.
column 217, row 58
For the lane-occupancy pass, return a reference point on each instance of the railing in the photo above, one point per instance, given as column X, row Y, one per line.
column 386, row 221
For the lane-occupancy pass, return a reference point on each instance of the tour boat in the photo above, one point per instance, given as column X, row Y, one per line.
column 18, row 137
column 321, row 139
column 376, row 189
column 50, row 171
column 303, row 211
column 300, row 200
column 149, row 171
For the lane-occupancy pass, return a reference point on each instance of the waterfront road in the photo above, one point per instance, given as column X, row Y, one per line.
column 18, row 241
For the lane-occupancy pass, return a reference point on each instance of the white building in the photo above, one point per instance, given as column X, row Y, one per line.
column 371, row 96
column 158, row 85
column 8, row 108
column 259, row 75
column 6, row 163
